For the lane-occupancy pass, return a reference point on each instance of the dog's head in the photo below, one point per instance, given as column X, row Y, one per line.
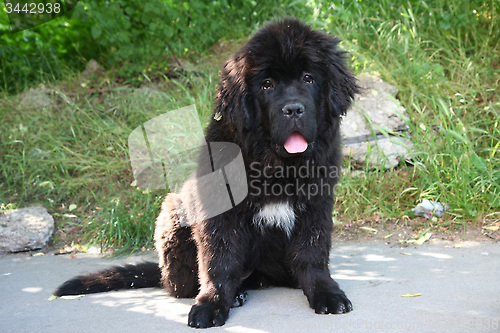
column 290, row 81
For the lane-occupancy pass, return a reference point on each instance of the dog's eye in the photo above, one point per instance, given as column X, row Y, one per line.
column 267, row 84
column 308, row 78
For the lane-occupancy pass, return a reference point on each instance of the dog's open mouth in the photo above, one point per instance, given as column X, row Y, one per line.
column 296, row 143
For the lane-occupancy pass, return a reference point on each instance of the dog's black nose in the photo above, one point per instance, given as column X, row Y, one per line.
column 293, row 110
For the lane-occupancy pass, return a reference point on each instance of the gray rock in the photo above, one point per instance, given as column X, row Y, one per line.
column 92, row 68
column 368, row 128
column 25, row 229
column 36, row 97
column 384, row 152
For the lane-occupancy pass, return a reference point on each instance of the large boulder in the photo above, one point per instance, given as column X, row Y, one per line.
column 373, row 130
column 25, row 229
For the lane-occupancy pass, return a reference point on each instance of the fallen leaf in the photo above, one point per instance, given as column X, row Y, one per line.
column 412, row 295
column 71, row 297
column 425, row 237
column 74, row 248
column 369, row 229
column 492, row 227
column 72, row 207
column 53, row 297
column 38, row 254
column 457, row 246
column 406, row 253
column 387, row 236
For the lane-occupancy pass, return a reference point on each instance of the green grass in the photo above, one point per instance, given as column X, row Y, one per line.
column 77, row 153
column 443, row 58
column 125, row 222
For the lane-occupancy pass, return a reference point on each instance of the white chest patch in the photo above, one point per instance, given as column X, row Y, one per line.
column 279, row 215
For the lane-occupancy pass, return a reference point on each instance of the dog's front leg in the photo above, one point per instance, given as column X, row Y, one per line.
column 220, row 262
column 309, row 254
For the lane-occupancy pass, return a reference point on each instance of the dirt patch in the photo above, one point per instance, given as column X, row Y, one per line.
column 407, row 232
column 69, row 237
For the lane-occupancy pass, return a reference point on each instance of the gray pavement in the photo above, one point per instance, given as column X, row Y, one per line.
column 460, row 292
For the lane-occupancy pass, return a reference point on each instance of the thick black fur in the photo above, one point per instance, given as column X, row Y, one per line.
column 127, row 277
column 287, row 78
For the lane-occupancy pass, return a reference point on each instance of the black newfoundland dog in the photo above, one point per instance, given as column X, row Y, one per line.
column 281, row 100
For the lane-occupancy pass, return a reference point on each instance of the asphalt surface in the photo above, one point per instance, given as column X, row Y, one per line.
column 459, row 287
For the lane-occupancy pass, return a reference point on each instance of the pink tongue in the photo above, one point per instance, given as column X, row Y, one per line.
column 295, row 143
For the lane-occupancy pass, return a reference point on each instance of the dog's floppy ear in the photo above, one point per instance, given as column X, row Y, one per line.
column 340, row 85
column 232, row 99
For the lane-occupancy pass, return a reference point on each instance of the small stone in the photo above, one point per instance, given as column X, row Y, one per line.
column 25, row 229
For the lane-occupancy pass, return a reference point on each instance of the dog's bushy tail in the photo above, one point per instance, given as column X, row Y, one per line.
column 143, row 275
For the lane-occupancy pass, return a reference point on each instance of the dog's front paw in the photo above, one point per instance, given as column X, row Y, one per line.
column 240, row 298
column 331, row 303
column 206, row 315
